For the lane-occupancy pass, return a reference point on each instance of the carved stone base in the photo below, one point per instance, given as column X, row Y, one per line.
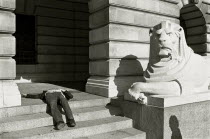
column 9, row 94
column 172, row 117
column 110, row 86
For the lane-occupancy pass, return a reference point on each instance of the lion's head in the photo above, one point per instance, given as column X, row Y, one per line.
column 166, row 39
column 168, row 50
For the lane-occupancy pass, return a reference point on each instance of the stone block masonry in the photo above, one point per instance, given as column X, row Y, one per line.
column 119, row 39
column 9, row 93
column 62, row 33
column 195, row 20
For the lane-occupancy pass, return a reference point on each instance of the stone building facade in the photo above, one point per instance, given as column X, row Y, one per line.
column 102, row 45
column 119, row 38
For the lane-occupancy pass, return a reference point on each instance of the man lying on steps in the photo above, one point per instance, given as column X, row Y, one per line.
column 53, row 98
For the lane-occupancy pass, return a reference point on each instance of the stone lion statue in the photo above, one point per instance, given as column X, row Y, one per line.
column 173, row 69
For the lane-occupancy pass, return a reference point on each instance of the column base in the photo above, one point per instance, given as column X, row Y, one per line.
column 110, row 86
column 9, row 94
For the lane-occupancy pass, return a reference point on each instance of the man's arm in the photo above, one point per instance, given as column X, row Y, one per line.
column 34, row 96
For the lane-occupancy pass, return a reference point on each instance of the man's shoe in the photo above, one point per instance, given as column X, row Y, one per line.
column 60, row 125
column 71, row 123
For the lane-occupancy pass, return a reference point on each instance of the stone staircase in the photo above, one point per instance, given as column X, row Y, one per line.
column 95, row 118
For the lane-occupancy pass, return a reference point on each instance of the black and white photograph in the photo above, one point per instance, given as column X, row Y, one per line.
column 104, row 69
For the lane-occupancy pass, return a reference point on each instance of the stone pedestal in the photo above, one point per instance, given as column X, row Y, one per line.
column 166, row 117
column 9, row 93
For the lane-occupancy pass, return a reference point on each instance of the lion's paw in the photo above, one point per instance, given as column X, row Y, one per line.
column 142, row 99
column 139, row 97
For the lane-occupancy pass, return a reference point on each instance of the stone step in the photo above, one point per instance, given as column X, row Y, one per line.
column 84, row 128
column 29, row 121
column 128, row 133
column 31, row 106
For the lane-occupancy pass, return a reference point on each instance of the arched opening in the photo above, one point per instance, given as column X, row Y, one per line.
column 194, row 24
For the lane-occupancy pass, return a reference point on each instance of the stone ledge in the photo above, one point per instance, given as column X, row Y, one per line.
column 169, row 101
column 164, row 101
column 189, row 120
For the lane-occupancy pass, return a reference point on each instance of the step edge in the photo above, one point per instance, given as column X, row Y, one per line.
column 46, row 120
column 122, row 120
column 18, row 110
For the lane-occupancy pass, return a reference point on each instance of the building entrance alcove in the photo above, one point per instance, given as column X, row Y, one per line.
column 52, row 42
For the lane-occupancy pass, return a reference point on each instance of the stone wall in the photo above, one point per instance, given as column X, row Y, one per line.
column 61, row 40
column 119, row 39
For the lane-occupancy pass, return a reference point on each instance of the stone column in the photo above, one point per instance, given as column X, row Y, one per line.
column 119, row 41
column 9, row 93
